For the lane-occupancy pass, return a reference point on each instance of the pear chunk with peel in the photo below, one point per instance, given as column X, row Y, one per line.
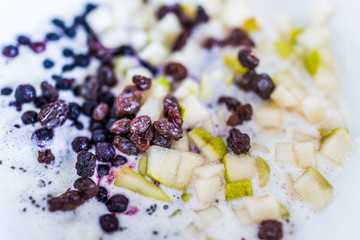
column 239, row 168
column 142, row 166
column 238, row 189
column 313, row 188
column 209, row 171
column 189, row 161
column 263, row 170
column 263, row 208
column 313, row 109
column 305, row 154
column 129, row 179
column 152, row 107
column 193, row 111
column 163, row 164
column 337, row 145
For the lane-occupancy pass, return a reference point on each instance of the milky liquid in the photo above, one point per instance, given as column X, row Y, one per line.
column 18, row 185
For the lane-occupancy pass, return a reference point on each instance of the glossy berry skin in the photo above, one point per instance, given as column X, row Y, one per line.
column 29, row 117
column 105, row 151
column 81, row 144
column 25, row 93
column 117, row 203
column 10, row 51
column 109, row 223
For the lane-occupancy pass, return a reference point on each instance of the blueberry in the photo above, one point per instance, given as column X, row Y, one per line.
column 74, row 111
column 29, row 117
column 118, row 161
column 88, row 107
column 95, row 125
column 42, row 136
column 105, row 151
column 81, row 144
column 102, row 194
column 10, row 51
column 82, row 60
column 103, row 170
column 6, row 91
column 23, row 40
column 99, row 135
column 25, row 93
column 79, row 125
column 48, row 63
column 117, row 203
column 86, row 163
column 52, row 37
column 106, row 97
column 109, row 223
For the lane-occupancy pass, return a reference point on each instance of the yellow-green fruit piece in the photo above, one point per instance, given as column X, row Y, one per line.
column 263, row 170
column 233, row 64
column 142, row 166
column 163, row 82
column 200, row 137
column 284, row 49
column 250, row 25
column 238, row 189
column 185, row 197
column 219, row 146
column 129, row 179
column 312, row 62
column 284, row 212
column 313, row 188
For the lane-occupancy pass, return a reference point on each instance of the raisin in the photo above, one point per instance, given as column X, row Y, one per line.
column 210, row 42
column 103, row 170
column 100, row 112
column 238, row 142
column 125, row 145
column 64, row 83
column 106, row 97
column 124, row 50
column 168, row 129
column 264, row 86
column 140, row 124
column 247, row 81
column 161, row 140
column 54, row 115
column 163, row 10
column 121, row 126
column 42, row 136
column 109, row 223
column 81, row 144
column 90, row 88
column 45, row 156
column 102, row 194
column 105, row 151
column 230, row 102
column 247, row 58
column 49, row 92
column 74, row 111
column 270, row 230
column 141, row 82
column 170, row 102
column 29, row 117
column 128, row 102
column 244, row 111
column 86, row 163
column 88, row 107
column 81, row 60
column 176, row 70
column 142, row 141
column 69, row 200
column 181, row 40
column 175, row 118
column 106, row 76
column 87, row 187
column 25, row 93
column 117, row 203
column 201, row 15
column 234, row 120
column 118, row 161
column 149, row 67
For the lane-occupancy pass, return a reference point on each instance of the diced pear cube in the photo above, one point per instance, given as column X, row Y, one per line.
column 305, row 154
column 313, row 109
column 210, row 215
column 155, row 53
column 313, row 188
column 282, row 97
column 239, row 189
column 302, row 137
column 326, row 80
column 99, row 19
column 263, row 170
column 193, row 230
column 200, row 137
column 189, row 161
column 243, row 216
column 336, row 120
column 207, row 189
column 239, row 167
column 314, row 37
column 129, row 179
column 194, row 111
column 169, row 25
column 186, row 88
column 263, row 208
column 114, row 38
column 183, row 144
column 337, row 145
column 209, row 171
column 284, row 153
column 322, row 11
column 268, row 116
column 235, row 13
column 152, row 108
column 283, row 24
column 163, row 164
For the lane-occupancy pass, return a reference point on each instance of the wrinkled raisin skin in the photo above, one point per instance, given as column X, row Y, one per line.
column 170, row 102
column 175, row 118
column 176, row 70
column 69, row 200
column 238, row 142
column 54, row 115
column 168, row 129
column 87, row 187
column 100, row 112
column 142, row 141
column 141, row 82
column 270, row 230
column 140, row 124
column 230, row 102
column 46, row 156
column 121, row 126
column 86, row 163
column 125, row 145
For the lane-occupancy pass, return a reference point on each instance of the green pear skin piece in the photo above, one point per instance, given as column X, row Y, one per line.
column 185, row 197
column 142, row 166
column 177, row 212
column 284, row 212
column 238, row 189
column 200, row 137
column 164, row 82
column 313, row 188
column 263, row 171
column 129, row 179
column 337, row 145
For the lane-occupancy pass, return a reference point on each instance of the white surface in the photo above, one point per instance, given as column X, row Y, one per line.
column 341, row 219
